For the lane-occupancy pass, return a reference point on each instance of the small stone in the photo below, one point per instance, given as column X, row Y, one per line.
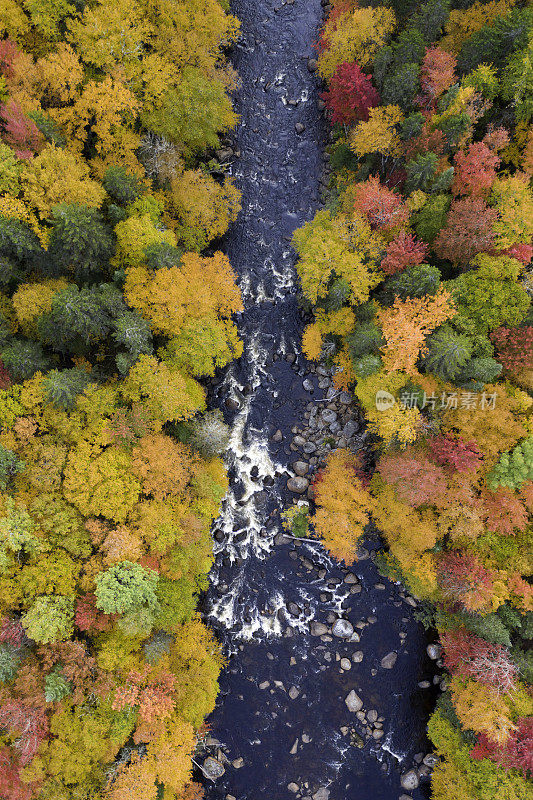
column 388, row 661
column 238, row 763
column 349, row 429
column 306, row 738
column 342, row 629
column 297, row 484
column 354, row 702
column 278, row 436
column 329, row 416
column 318, row 628
column 301, row 468
column 405, row 797
column 424, row 684
column 377, row 734
column 299, row 127
column 411, row 601
column 264, row 685
column 357, row 657
column 351, row 578
column 321, row 794
column 431, row 760
column 232, row 403
column 212, row 768
column 434, row 651
column 293, row 692
column 409, row 780
column 345, row 398
column 312, row 65
column 308, row 385
column 294, row 748
column 346, row 664
column 372, row 715
column 293, row 787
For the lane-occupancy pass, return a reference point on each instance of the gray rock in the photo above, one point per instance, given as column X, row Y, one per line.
column 345, row 398
column 238, row 763
column 342, row 629
column 346, row 664
column 405, row 797
column 299, row 127
column 321, row 794
column 372, row 715
column 308, row 384
column 350, row 428
column 278, row 436
column 212, row 768
column 431, row 760
column 298, row 485
column 388, row 661
column 298, row 441
column 377, row 734
column 293, row 787
column 328, row 415
column 318, row 628
column 354, row 702
column 312, row 65
column 434, row 651
column 301, row 468
column 351, row 578
column 293, row 692
column 409, row 780
column 357, row 657
column 264, row 684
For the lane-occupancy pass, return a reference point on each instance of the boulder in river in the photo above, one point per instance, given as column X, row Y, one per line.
column 297, row 484
column 434, row 651
column 388, row 661
column 318, row 628
column 409, row 780
column 212, row 768
column 301, row 468
column 354, row 702
column 342, row 629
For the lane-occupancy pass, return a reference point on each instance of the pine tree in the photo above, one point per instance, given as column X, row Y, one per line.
column 80, row 242
column 24, row 358
column 62, row 387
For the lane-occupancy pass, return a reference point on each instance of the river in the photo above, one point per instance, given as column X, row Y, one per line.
column 281, row 715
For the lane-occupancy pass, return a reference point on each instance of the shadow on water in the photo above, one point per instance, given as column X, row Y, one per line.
column 281, row 706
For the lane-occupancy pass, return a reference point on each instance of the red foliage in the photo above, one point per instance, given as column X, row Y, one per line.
column 350, row 95
column 429, row 141
column 455, row 453
column 522, row 252
column 496, row 138
column 383, row 208
column 468, row 231
column 516, row 753
column 514, row 348
column 154, row 697
column 11, row 785
column 5, row 377
column 470, row 656
column 475, row 170
column 436, row 75
column 29, row 723
column 416, row 479
column 504, row 512
column 463, row 580
column 12, row 632
column 403, row 251
column 89, row 618
column 20, row 132
column 8, row 54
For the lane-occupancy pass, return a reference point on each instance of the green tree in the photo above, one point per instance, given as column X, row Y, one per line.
column 56, row 687
column 417, row 281
column 49, row 619
column 80, row 242
column 10, row 465
column 514, row 467
column 447, row 353
column 126, row 587
column 401, row 86
column 9, row 662
column 432, row 217
column 24, row 358
column 62, row 387
column 78, row 317
column 122, row 186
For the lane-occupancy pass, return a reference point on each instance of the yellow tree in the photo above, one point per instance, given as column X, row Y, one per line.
column 354, row 36
column 379, row 134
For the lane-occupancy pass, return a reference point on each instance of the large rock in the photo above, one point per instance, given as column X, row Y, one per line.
column 212, row 768
column 353, row 701
column 297, row 484
column 301, row 468
column 342, row 629
column 321, row 794
column 434, row 651
column 388, row 661
column 318, row 628
column 409, row 780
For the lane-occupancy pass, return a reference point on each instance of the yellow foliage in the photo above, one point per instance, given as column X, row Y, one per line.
column 204, row 207
column 462, row 23
column 58, row 75
column 513, row 199
column 379, row 134
column 110, row 33
column 58, row 176
column 481, row 709
column 398, row 424
column 32, row 300
column 354, row 36
column 13, row 207
column 343, row 506
column 13, row 21
column 165, row 395
column 407, row 323
column 162, row 465
column 408, row 532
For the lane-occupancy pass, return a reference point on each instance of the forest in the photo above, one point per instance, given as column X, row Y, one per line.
column 418, row 272
column 115, row 305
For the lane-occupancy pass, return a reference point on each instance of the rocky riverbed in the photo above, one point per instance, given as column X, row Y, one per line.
column 328, row 683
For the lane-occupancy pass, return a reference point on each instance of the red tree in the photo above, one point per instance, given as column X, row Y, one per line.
column 403, row 251
column 468, row 231
column 470, row 656
column 522, row 252
column 504, row 512
column 464, row 581
column 455, row 453
column 416, row 479
column 20, row 132
column 8, row 54
column 514, row 348
column 516, row 753
column 11, row 785
column 436, row 75
column 383, row 208
column 475, row 170
column 29, row 723
column 12, row 632
column 351, row 94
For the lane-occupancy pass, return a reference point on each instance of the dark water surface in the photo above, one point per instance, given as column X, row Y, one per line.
column 283, row 740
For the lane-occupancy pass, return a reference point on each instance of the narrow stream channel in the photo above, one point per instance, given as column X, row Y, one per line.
column 282, row 702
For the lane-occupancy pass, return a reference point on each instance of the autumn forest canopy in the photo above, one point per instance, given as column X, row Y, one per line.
column 418, row 271
column 114, row 305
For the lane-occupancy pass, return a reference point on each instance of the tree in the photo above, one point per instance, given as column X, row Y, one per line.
column 513, row 200
column 455, row 453
column 122, row 186
column 202, row 346
column 480, row 709
column 379, row 134
column 20, row 132
column 324, row 249
column 354, row 35
column 350, row 94
column 383, row 208
column 495, row 41
column 403, row 251
column 24, row 358
column 469, row 230
column 416, row 480
column 80, row 242
column 475, row 170
column 464, row 580
column 504, row 512
column 514, row 347
column 343, row 506
column 517, row 80
column 400, row 87
column 135, row 235
column 437, row 74
column 514, row 467
column 210, row 434
column 515, row 753
column 205, row 208
column 446, row 353
column 49, row 619
column 10, row 465
column 431, row 218
column 10, row 169
column 126, row 587
column 162, row 465
column 78, row 317
column 165, row 395
column 406, row 324
column 470, row 657
column 62, row 387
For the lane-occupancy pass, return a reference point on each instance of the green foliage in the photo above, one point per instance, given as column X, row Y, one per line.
column 401, row 86
column 56, row 687
column 48, row 128
column 10, row 169
column 126, row 587
column 123, row 187
column 23, row 358
column 432, row 217
column 18, row 241
column 481, row 370
column 49, row 619
column 62, row 387
column 430, row 18
column 80, row 242
column 9, row 662
column 417, row 281
column 514, row 468
column 367, row 365
column 411, row 126
column 495, row 42
column 420, row 172
column 447, row 353
column 10, row 465
column 209, row 434
column 132, row 332
column 489, row 627
column 366, row 338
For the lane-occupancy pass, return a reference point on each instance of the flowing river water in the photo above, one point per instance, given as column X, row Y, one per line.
column 281, row 716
